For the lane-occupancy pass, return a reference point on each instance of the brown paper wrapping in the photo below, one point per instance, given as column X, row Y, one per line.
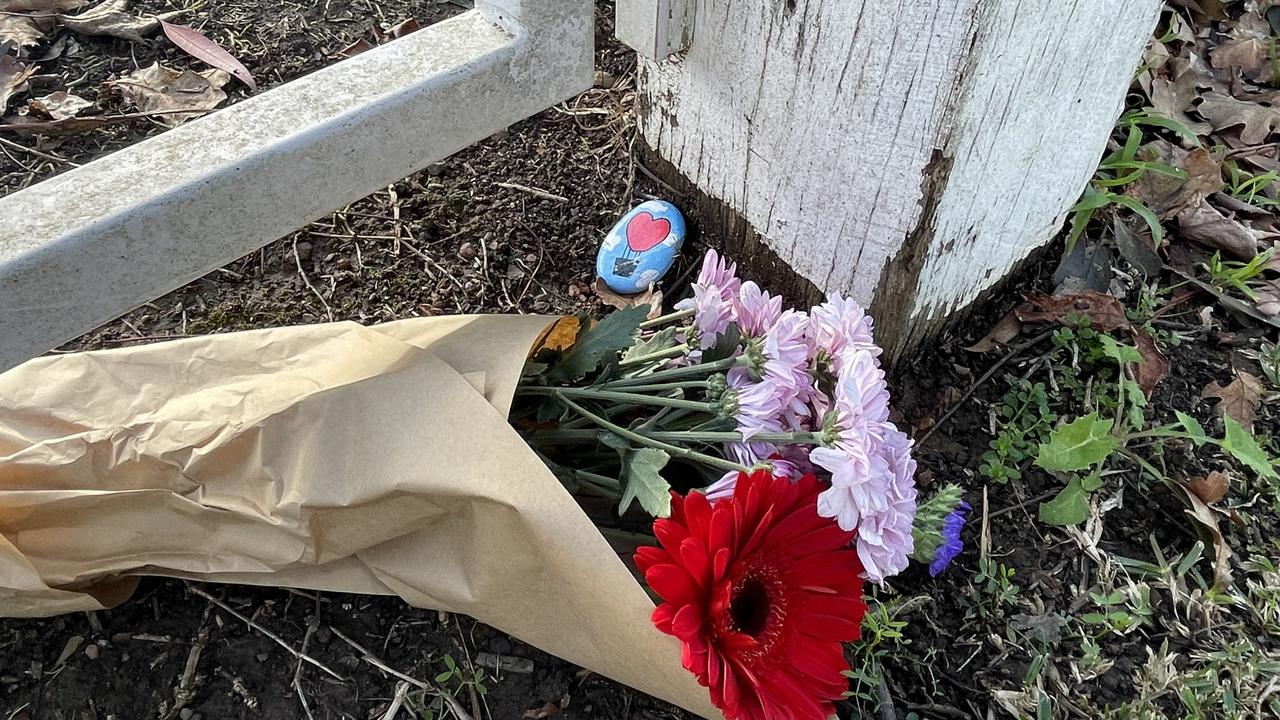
column 332, row 457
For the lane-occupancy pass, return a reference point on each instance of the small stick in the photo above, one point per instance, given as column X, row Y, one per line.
column 241, row 617
column 302, row 273
column 402, row 689
column 533, row 191
column 182, row 693
column 372, row 659
column 37, row 153
column 297, row 671
column 980, row 381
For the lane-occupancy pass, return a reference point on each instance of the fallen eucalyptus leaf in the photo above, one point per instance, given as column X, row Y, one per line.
column 194, row 43
column 174, row 97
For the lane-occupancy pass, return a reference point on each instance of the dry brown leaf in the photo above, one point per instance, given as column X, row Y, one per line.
column 1256, row 121
column 379, row 38
column 651, row 297
column 112, row 18
column 1212, row 488
column 1205, row 517
column 1174, row 91
column 1104, row 311
column 174, row 97
column 1268, row 300
column 13, row 77
column 1205, row 224
column 60, row 105
column 1240, row 399
column 199, row 46
column 1168, row 195
column 20, row 31
column 1154, row 366
column 1252, row 56
column 999, row 335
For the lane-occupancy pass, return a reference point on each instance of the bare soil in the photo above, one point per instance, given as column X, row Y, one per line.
column 451, row 240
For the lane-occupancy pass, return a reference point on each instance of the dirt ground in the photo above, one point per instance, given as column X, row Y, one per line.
column 450, row 240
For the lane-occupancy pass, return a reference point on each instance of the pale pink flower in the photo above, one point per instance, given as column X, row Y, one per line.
column 859, row 485
column 786, row 361
column 885, row 542
column 756, row 310
column 861, row 405
column 840, row 325
column 715, row 297
column 756, row 407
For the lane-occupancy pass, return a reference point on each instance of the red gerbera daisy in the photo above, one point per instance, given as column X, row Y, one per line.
column 761, row 592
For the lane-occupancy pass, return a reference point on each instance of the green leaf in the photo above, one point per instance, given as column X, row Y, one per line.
column 611, row 335
column 1192, row 427
column 1070, row 507
column 1092, row 481
column 1144, row 212
column 645, row 483
column 1079, row 444
column 1124, row 354
column 1240, row 443
column 660, row 341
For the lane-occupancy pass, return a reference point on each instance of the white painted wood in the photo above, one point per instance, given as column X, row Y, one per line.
column 655, row 28
column 86, row 246
column 819, row 122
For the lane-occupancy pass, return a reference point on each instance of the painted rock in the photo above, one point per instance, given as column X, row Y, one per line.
column 641, row 248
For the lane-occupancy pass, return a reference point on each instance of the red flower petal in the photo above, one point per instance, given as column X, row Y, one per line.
column 760, row 591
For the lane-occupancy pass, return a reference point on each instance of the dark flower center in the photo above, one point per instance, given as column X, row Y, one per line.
column 750, row 607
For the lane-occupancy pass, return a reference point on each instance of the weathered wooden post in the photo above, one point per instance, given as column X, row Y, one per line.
column 906, row 153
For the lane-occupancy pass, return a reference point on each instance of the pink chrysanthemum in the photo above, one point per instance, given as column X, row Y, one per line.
column 861, row 405
column 756, row 310
column 715, row 298
column 757, row 408
column 885, row 542
column 859, row 485
column 838, row 326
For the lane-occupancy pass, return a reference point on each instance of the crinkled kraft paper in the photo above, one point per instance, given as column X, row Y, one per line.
column 332, row 457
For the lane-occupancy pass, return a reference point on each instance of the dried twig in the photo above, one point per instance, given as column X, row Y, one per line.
column 402, row 689
column 297, row 670
column 182, row 694
column 37, row 153
column 307, row 281
column 241, row 617
column 536, row 192
column 373, row 660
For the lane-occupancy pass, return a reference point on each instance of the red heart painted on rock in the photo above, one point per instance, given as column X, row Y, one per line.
column 645, row 232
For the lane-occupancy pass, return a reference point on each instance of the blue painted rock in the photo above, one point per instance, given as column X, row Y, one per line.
column 641, row 248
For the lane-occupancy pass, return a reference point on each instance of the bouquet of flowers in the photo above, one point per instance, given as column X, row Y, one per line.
column 759, row 438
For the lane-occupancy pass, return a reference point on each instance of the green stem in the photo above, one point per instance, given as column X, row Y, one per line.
column 586, row 436
column 663, row 354
column 674, row 373
column 624, row 397
column 672, row 317
column 663, row 387
column 674, row 450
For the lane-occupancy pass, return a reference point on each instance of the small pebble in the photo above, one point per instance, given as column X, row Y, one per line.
column 344, row 263
column 436, row 169
column 91, row 652
column 467, row 251
column 262, row 657
column 186, row 713
column 304, row 250
column 324, row 635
